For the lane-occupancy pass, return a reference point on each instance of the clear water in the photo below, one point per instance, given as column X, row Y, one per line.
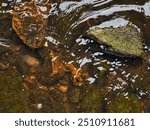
column 68, row 22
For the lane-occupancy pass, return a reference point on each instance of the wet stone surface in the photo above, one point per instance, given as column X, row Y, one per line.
column 27, row 64
column 49, row 64
column 29, row 24
column 126, row 40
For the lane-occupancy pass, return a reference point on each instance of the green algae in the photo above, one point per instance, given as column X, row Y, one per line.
column 120, row 102
column 11, row 99
column 92, row 100
column 125, row 40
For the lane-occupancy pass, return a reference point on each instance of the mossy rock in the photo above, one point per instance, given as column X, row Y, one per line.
column 119, row 103
column 125, row 40
column 11, row 99
column 92, row 100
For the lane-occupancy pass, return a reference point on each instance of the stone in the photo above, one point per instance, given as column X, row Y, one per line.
column 92, row 100
column 126, row 40
column 63, row 88
column 29, row 22
column 27, row 64
column 78, row 76
column 52, row 70
column 120, row 102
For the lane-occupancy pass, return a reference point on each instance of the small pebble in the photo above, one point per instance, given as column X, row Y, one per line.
column 63, row 88
column 39, row 106
column 31, row 60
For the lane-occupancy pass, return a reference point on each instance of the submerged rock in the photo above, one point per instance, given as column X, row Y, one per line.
column 121, row 102
column 92, row 100
column 29, row 22
column 27, row 64
column 126, row 40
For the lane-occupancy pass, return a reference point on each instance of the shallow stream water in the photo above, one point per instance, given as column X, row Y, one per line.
column 121, row 81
